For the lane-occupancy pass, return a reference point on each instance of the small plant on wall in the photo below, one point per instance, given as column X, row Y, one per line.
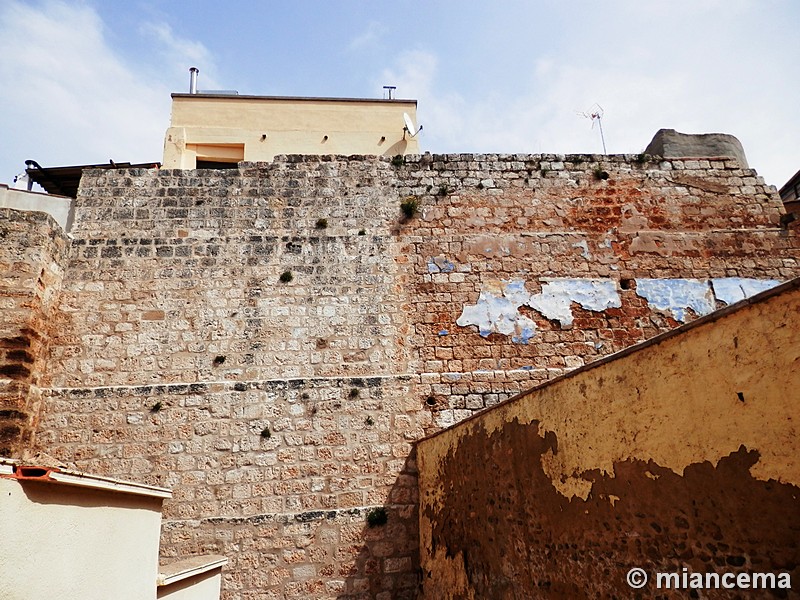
column 377, row 517
column 286, row 277
column 410, row 207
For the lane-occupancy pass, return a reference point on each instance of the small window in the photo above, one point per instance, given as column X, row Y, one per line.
column 217, row 156
column 215, row 164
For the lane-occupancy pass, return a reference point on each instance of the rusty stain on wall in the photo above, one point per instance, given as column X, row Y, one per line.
column 30, row 276
column 506, row 532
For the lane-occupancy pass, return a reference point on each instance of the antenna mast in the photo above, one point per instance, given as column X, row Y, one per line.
column 595, row 113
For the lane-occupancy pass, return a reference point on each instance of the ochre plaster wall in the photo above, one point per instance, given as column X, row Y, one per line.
column 268, row 127
column 683, row 453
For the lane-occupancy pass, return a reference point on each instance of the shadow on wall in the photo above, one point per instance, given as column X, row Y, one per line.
column 396, row 148
column 387, row 562
column 531, row 537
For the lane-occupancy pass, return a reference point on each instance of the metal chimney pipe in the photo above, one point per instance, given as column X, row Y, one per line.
column 193, row 71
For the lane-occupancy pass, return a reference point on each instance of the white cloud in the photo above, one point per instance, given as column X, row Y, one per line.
column 414, row 75
column 638, row 99
column 178, row 54
column 69, row 98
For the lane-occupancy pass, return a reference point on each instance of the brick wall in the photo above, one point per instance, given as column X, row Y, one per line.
column 32, row 251
column 177, row 344
column 488, row 220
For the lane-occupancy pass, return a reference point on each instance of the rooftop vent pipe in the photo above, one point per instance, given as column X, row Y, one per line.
column 193, row 71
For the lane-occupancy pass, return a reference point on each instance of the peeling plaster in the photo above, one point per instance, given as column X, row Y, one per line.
column 555, row 301
column 439, row 264
column 497, row 309
column 733, row 289
column 584, row 246
column 676, row 295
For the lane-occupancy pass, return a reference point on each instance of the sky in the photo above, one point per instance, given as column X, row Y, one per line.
column 88, row 81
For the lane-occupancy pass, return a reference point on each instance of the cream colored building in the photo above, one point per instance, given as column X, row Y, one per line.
column 214, row 130
column 66, row 534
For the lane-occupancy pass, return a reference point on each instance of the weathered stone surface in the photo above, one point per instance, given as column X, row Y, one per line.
column 32, row 260
column 672, row 144
column 176, row 344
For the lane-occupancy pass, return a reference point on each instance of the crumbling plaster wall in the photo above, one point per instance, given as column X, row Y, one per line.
column 681, row 454
column 280, row 413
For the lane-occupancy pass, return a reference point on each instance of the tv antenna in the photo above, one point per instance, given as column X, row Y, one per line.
column 595, row 113
column 409, row 128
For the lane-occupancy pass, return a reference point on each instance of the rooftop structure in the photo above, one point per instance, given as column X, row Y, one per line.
column 790, row 194
column 220, row 130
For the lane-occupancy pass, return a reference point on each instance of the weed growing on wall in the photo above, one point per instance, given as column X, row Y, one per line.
column 377, row 517
column 409, row 206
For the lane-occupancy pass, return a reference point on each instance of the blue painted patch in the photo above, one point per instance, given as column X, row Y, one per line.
column 440, row 264
column 676, row 295
column 733, row 289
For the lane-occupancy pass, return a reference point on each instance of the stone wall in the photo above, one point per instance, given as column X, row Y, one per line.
column 32, row 252
column 676, row 457
column 495, row 231
column 281, row 412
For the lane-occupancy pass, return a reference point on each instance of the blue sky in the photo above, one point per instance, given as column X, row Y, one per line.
column 88, row 81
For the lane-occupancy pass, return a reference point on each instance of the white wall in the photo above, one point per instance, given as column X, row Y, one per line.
column 63, row 542
column 59, row 207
